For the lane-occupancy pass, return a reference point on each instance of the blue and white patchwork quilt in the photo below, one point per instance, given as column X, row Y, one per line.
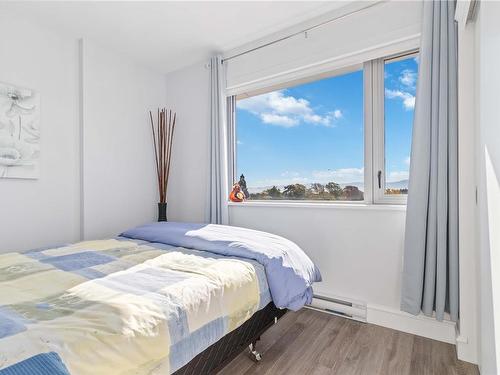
column 121, row 306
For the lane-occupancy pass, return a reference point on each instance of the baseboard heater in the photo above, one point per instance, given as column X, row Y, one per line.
column 339, row 306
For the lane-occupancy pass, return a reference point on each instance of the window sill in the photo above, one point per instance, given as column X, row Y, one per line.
column 327, row 205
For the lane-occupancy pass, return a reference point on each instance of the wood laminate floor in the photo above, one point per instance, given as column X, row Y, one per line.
column 311, row 342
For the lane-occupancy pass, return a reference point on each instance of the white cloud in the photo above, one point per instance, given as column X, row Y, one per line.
column 408, row 78
column 396, row 176
column 284, row 178
column 407, row 161
column 280, row 182
column 317, row 119
column 290, row 174
column 276, row 108
column 408, row 99
column 280, row 120
column 341, row 175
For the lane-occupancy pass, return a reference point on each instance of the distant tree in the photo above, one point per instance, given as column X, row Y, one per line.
column 334, row 189
column 396, row 191
column 294, row 191
column 273, row 192
column 352, row 193
column 256, row 196
column 317, row 188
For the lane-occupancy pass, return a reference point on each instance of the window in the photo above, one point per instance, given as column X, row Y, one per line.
column 394, row 127
column 304, row 142
column 343, row 137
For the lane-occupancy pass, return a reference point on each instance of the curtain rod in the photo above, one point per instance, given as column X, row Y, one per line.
column 304, row 30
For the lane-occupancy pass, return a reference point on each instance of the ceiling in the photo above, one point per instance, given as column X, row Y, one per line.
column 169, row 35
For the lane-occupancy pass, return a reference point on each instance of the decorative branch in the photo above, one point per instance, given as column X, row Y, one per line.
column 163, row 133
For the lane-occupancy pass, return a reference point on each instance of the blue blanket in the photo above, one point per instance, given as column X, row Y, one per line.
column 290, row 272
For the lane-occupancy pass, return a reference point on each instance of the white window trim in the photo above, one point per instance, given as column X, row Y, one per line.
column 232, row 147
column 378, row 130
column 345, row 205
column 368, row 130
column 373, row 105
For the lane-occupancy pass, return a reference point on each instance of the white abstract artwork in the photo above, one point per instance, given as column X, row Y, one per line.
column 19, row 132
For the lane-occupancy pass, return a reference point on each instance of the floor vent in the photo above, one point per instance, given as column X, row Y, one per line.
column 340, row 306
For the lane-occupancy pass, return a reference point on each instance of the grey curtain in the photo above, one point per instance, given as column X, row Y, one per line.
column 218, row 192
column 430, row 270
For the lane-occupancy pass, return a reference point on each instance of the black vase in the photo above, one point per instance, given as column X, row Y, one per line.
column 162, row 211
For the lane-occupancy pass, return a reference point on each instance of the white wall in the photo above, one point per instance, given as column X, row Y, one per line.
column 358, row 249
column 488, row 158
column 467, row 342
column 97, row 168
column 36, row 213
column 188, row 93
column 119, row 179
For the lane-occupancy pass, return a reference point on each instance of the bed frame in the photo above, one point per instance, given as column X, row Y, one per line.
column 219, row 354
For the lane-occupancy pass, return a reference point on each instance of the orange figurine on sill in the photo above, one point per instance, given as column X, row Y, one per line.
column 236, row 195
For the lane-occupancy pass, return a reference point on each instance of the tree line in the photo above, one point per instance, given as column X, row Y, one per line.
column 315, row 191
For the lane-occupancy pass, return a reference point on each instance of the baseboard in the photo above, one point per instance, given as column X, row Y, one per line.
column 419, row 325
column 466, row 351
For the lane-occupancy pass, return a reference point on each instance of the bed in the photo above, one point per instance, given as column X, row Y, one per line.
column 159, row 299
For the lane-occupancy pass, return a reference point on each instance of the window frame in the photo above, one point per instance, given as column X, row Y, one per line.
column 378, row 125
column 374, row 129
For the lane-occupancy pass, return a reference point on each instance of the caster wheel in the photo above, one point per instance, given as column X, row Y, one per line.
column 254, row 354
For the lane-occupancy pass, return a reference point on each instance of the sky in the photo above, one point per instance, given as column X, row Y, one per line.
column 314, row 132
